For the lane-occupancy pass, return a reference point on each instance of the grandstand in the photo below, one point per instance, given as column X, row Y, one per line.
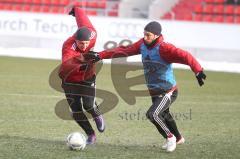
column 205, row 10
column 92, row 7
column 220, row 11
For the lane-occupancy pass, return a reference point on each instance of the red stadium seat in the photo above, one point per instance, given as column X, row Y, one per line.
column 26, row 7
column 7, row 7
column 219, row 1
column 115, row 6
column 101, row 5
column 178, row 17
column 197, row 1
column 91, row 12
column 55, row 9
column 17, row 1
column 198, row 17
column 198, row 9
column 62, row 10
column 209, row 1
column 35, row 8
column 207, row 18
column 218, row 18
column 188, row 17
column 208, row 9
column 64, row 2
column 92, row 4
column 17, row 7
column 28, row 1
column 55, row 2
column 46, row 1
column 36, row 1
column 218, row 9
column 237, row 19
column 80, row 3
column 113, row 13
column 229, row 9
column 237, row 10
column 1, row 6
column 168, row 16
column 45, row 9
column 229, row 19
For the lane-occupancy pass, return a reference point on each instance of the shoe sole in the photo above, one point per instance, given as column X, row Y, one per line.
column 163, row 148
column 170, row 151
column 101, row 130
column 90, row 143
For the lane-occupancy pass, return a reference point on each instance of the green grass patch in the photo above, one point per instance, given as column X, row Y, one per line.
column 208, row 117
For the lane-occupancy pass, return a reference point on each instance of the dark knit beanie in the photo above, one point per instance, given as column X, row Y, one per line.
column 153, row 27
column 83, row 34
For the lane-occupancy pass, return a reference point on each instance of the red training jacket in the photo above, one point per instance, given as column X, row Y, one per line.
column 74, row 67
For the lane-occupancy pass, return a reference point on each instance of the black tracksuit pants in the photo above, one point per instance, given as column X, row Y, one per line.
column 160, row 116
column 79, row 96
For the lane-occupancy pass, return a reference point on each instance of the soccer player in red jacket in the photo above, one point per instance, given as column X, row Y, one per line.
column 78, row 75
column 157, row 59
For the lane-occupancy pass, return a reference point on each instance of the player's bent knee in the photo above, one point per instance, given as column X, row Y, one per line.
column 150, row 116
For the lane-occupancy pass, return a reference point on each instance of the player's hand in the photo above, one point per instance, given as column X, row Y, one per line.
column 72, row 12
column 93, row 56
column 200, row 77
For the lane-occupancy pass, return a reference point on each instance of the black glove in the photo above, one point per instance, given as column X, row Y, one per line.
column 72, row 12
column 91, row 55
column 200, row 76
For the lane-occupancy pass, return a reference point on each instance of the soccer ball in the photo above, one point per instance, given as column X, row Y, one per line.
column 76, row 141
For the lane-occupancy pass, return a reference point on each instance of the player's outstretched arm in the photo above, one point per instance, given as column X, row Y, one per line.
column 81, row 18
column 173, row 54
column 121, row 51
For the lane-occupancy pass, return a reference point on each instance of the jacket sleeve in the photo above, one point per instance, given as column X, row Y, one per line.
column 121, row 51
column 172, row 54
column 82, row 19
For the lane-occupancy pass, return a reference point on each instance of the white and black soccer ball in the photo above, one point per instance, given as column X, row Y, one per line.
column 76, row 141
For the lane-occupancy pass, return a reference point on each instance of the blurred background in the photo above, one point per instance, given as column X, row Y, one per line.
column 209, row 29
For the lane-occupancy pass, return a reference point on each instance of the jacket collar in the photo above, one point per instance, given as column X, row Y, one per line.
column 154, row 43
